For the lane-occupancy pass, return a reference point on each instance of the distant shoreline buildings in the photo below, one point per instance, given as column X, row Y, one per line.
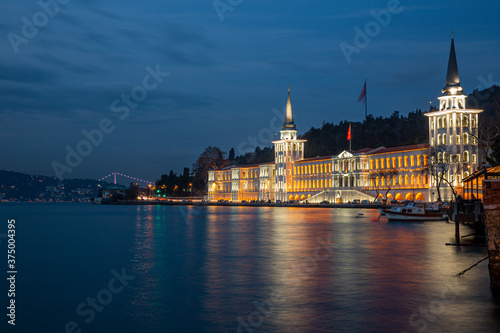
column 411, row 172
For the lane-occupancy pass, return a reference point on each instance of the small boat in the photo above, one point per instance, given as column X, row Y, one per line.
column 414, row 212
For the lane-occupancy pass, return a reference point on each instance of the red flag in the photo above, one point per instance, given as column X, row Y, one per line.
column 349, row 133
column 363, row 93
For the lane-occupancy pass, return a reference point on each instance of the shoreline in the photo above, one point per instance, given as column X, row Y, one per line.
column 237, row 204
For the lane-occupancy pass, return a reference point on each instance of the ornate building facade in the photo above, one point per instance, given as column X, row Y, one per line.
column 397, row 173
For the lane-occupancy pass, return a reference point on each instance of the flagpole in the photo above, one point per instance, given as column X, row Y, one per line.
column 366, row 102
column 350, row 138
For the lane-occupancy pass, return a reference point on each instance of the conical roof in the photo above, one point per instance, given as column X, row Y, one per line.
column 288, row 124
column 452, row 78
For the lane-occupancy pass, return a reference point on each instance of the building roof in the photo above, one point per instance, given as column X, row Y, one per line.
column 289, row 124
column 361, row 151
column 452, row 78
column 317, row 158
column 383, row 150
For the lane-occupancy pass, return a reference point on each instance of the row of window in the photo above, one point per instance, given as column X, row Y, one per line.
column 312, row 184
column 312, row 169
column 401, row 181
column 398, row 162
column 449, row 158
column 442, row 122
column 443, row 139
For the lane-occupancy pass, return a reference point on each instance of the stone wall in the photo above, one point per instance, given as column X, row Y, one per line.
column 491, row 200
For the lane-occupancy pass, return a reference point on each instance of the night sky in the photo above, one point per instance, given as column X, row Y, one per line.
column 228, row 69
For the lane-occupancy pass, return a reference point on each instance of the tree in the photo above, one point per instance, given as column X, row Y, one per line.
column 443, row 168
column 488, row 131
column 494, row 157
column 231, row 154
column 377, row 177
column 212, row 158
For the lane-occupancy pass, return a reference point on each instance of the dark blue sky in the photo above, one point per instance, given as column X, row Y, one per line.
column 226, row 73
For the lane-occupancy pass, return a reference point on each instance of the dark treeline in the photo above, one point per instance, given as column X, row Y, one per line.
column 396, row 130
column 175, row 185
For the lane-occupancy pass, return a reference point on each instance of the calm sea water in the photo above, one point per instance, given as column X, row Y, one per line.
column 246, row 269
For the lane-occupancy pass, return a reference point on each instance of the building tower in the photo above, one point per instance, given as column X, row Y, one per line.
column 286, row 151
column 453, row 131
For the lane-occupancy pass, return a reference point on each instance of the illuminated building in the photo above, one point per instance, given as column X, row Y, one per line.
column 394, row 173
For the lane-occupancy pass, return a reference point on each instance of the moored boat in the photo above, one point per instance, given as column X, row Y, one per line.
column 414, row 212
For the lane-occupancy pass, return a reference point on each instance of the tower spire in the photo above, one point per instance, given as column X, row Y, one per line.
column 452, row 85
column 288, row 124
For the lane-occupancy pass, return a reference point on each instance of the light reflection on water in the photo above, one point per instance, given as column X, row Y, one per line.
column 214, row 269
column 378, row 276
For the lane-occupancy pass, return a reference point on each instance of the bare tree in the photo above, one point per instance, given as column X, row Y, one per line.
column 488, row 130
column 443, row 168
column 377, row 177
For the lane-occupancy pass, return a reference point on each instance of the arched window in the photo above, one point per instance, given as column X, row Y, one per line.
column 382, row 162
column 382, row 181
column 439, row 140
column 406, row 180
column 473, row 121
column 466, row 156
column 412, row 160
column 458, row 139
column 439, row 123
column 419, row 160
column 406, row 161
column 444, row 138
column 412, row 179
column 444, row 122
column 371, row 164
column 400, row 162
column 376, row 164
column 465, row 121
column 466, row 138
column 440, row 157
column 400, row 180
column 393, row 162
column 377, row 182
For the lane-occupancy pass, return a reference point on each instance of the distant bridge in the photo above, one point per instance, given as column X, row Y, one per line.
column 114, row 174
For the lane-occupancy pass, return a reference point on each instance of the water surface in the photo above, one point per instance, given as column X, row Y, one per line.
column 247, row 269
